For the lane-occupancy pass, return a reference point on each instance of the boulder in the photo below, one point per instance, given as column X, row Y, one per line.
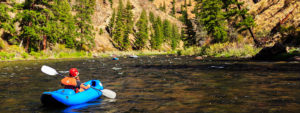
column 269, row 53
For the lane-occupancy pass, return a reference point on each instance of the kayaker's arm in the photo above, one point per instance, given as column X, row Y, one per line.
column 85, row 87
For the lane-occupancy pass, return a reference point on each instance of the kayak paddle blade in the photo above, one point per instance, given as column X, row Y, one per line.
column 48, row 70
column 109, row 93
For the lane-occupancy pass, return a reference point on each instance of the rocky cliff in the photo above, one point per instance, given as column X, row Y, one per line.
column 268, row 14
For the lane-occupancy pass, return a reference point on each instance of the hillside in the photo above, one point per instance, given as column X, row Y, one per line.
column 267, row 14
column 38, row 25
column 103, row 13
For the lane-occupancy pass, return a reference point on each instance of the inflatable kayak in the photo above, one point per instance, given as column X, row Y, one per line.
column 68, row 97
column 115, row 58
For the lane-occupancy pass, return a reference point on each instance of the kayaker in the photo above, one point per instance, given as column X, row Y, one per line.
column 73, row 82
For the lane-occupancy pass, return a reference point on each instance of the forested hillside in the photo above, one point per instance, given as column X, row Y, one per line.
column 95, row 26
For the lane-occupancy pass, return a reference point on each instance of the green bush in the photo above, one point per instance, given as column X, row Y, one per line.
column 25, row 55
column 101, row 31
column 222, row 50
column 37, row 55
column 6, row 56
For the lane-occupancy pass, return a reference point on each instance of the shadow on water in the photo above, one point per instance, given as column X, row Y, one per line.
column 73, row 109
column 160, row 84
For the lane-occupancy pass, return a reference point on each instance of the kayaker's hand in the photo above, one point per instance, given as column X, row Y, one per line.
column 77, row 78
column 88, row 86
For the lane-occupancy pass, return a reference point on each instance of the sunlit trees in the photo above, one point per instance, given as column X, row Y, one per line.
column 212, row 18
column 142, row 34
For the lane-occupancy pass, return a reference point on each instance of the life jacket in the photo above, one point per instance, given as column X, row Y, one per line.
column 70, row 83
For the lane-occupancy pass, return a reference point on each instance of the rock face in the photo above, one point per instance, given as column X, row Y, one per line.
column 269, row 53
column 268, row 13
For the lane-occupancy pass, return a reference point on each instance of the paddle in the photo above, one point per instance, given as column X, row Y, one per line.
column 52, row 72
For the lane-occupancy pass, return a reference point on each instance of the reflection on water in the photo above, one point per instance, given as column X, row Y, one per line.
column 160, row 84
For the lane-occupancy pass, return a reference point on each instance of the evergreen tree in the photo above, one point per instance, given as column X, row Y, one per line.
column 128, row 21
column 118, row 30
column 6, row 22
column 151, row 17
column 211, row 16
column 175, row 37
column 142, row 34
column 85, row 9
column 189, row 38
column 157, row 40
column 66, row 24
column 173, row 8
column 112, row 22
column 43, row 22
column 122, row 26
column 167, row 30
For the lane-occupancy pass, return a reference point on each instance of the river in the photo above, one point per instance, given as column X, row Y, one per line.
column 160, row 84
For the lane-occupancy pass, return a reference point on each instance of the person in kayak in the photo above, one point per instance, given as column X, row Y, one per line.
column 73, row 82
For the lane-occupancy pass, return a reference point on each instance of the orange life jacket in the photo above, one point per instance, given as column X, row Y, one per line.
column 70, row 83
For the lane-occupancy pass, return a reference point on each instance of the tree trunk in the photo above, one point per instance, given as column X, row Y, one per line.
column 44, row 42
column 250, row 30
column 27, row 45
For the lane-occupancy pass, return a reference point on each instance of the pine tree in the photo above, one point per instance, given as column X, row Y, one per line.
column 157, row 40
column 167, row 30
column 118, row 30
column 6, row 22
column 128, row 21
column 173, row 8
column 112, row 22
column 246, row 23
column 151, row 17
column 85, row 9
column 142, row 34
column 211, row 16
column 175, row 37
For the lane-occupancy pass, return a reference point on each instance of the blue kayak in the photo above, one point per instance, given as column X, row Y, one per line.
column 115, row 58
column 68, row 97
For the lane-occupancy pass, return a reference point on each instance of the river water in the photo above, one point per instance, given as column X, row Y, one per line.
column 160, row 84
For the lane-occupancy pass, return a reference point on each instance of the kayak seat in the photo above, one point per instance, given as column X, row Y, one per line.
column 93, row 83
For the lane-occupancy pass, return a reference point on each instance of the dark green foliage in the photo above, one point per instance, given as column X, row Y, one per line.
column 83, row 21
column 142, row 34
column 188, row 34
column 122, row 27
column 128, row 18
column 173, row 8
column 212, row 18
column 6, row 22
column 167, row 30
column 111, row 24
column 175, row 37
column 163, row 7
column 101, row 31
column 151, row 17
column 52, row 22
column 241, row 24
column 157, row 39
